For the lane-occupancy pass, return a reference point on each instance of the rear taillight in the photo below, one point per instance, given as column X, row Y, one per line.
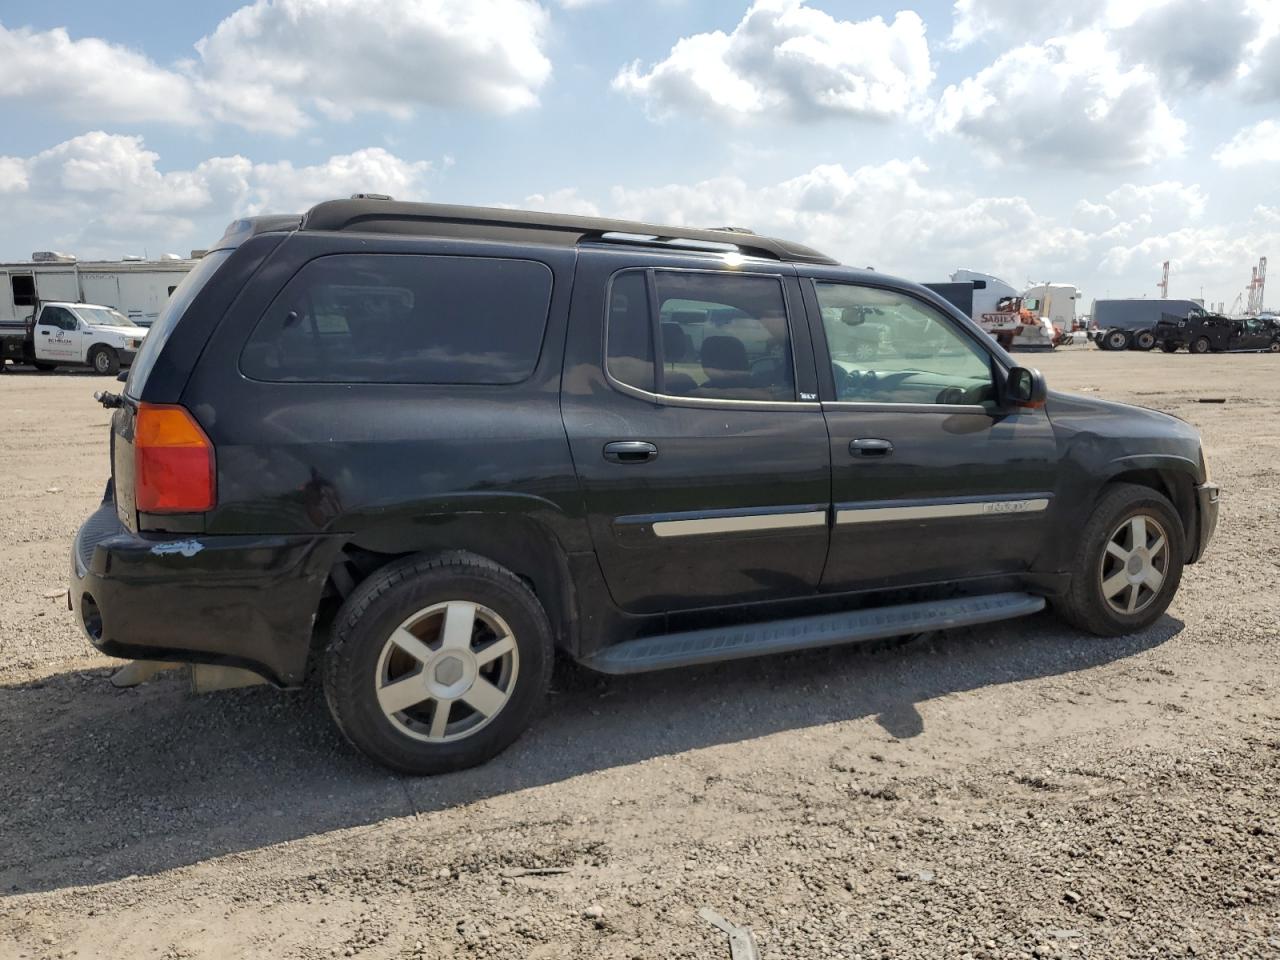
column 173, row 461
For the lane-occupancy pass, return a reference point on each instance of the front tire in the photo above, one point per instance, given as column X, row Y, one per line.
column 105, row 361
column 1128, row 563
column 1168, row 346
column 438, row 663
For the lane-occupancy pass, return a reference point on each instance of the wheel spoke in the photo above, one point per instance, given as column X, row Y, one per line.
column 1114, row 584
column 411, row 645
column 499, row 647
column 459, row 623
column 1138, row 525
column 440, row 718
column 1153, row 578
column 1156, row 547
column 1117, row 551
column 484, row 697
column 1133, row 598
column 402, row 694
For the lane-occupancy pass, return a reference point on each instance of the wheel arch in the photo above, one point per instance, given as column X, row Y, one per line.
column 518, row 542
column 1168, row 477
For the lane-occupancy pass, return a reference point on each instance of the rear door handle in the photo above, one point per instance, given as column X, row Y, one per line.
column 870, row 447
column 630, row 451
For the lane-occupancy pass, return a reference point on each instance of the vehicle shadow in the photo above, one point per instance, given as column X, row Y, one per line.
column 98, row 783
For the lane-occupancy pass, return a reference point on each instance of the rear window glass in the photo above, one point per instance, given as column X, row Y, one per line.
column 176, row 306
column 392, row 318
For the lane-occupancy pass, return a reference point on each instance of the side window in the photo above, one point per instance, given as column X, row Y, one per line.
column 391, row 318
column 629, row 351
column 724, row 337
column 887, row 347
column 57, row 317
column 23, row 287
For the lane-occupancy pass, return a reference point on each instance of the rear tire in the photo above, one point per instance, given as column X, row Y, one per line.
column 105, row 361
column 1273, row 346
column 1144, row 340
column 1200, row 345
column 438, row 663
column 1168, row 346
column 1127, row 565
column 1116, row 340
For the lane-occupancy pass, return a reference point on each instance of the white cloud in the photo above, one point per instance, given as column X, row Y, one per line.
column 1067, row 102
column 275, row 64
column 277, row 60
column 13, row 175
column 104, row 194
column 975, row 19
column 1254, row 145
column 887, row 215
column 787, row 59
column 91, row 79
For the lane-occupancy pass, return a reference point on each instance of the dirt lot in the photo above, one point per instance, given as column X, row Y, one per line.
column 1009, row 791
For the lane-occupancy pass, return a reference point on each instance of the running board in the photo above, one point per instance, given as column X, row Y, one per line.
column 805, row 633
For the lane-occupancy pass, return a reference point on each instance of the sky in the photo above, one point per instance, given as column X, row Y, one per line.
column 1076, row 143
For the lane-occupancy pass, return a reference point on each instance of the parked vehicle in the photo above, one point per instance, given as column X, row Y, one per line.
column 74, row 334
column 1130, row 324
column 137, row 288
column 1010, row 318
column 1202, row 332
column 421, row 447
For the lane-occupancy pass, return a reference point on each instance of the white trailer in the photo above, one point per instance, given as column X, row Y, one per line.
column 139, row 289
column 1011, row 318
column 1057, row 304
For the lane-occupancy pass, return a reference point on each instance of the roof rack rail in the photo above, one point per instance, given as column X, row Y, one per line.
column 496, row 223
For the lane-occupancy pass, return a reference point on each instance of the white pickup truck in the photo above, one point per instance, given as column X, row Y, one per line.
column 73, row 334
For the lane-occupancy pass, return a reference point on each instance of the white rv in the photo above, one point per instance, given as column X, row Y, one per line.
column 137, row 288
column 1057, row 304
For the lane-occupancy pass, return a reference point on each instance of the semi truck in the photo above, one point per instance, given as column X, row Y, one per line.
column 1130, row 324
column 1011, row 318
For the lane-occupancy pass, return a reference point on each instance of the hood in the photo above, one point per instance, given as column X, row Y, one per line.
column 1120, row 431
column 136, row 333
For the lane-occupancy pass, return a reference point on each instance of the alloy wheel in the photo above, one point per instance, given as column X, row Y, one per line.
column 446, row 671
column 1134, row 564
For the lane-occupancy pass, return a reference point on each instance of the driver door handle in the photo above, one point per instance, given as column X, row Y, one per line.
column 870, row 447
column 630, row 451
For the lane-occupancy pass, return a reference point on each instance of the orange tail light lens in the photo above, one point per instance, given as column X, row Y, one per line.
column 173, row 461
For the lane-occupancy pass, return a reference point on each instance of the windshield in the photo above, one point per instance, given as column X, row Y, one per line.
column 179, row 300
column 104, row 317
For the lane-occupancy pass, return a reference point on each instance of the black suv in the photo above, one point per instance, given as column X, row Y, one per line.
column 1202, row 332
column 420, row 448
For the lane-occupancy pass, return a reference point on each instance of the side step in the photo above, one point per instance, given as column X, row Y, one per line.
column 804, row 633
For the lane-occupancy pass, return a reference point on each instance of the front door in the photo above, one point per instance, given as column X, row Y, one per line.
column 57, row 336
column 705, row 476
column 932, row 482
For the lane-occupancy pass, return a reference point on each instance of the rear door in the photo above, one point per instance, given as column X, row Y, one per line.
column 699, row 446
column 932, row 482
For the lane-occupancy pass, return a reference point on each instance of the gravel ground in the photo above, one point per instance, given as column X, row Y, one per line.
column 1017, row 790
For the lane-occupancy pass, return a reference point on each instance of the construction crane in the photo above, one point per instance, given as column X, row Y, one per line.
column 1163, row 285
column 1257, row 288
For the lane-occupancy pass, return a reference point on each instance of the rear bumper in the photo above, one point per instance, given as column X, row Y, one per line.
column 244, row 601
column 1206, row 518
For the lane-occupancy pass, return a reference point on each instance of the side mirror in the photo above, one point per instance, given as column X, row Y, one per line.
column 853, row 316
column 1026, row 387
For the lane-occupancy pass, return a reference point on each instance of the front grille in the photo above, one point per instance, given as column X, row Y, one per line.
column 99, row 527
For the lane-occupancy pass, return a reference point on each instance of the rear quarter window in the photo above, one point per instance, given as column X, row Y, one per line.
column 397, row 318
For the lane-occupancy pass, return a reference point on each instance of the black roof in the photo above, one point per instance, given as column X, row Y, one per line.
column 494, row 223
